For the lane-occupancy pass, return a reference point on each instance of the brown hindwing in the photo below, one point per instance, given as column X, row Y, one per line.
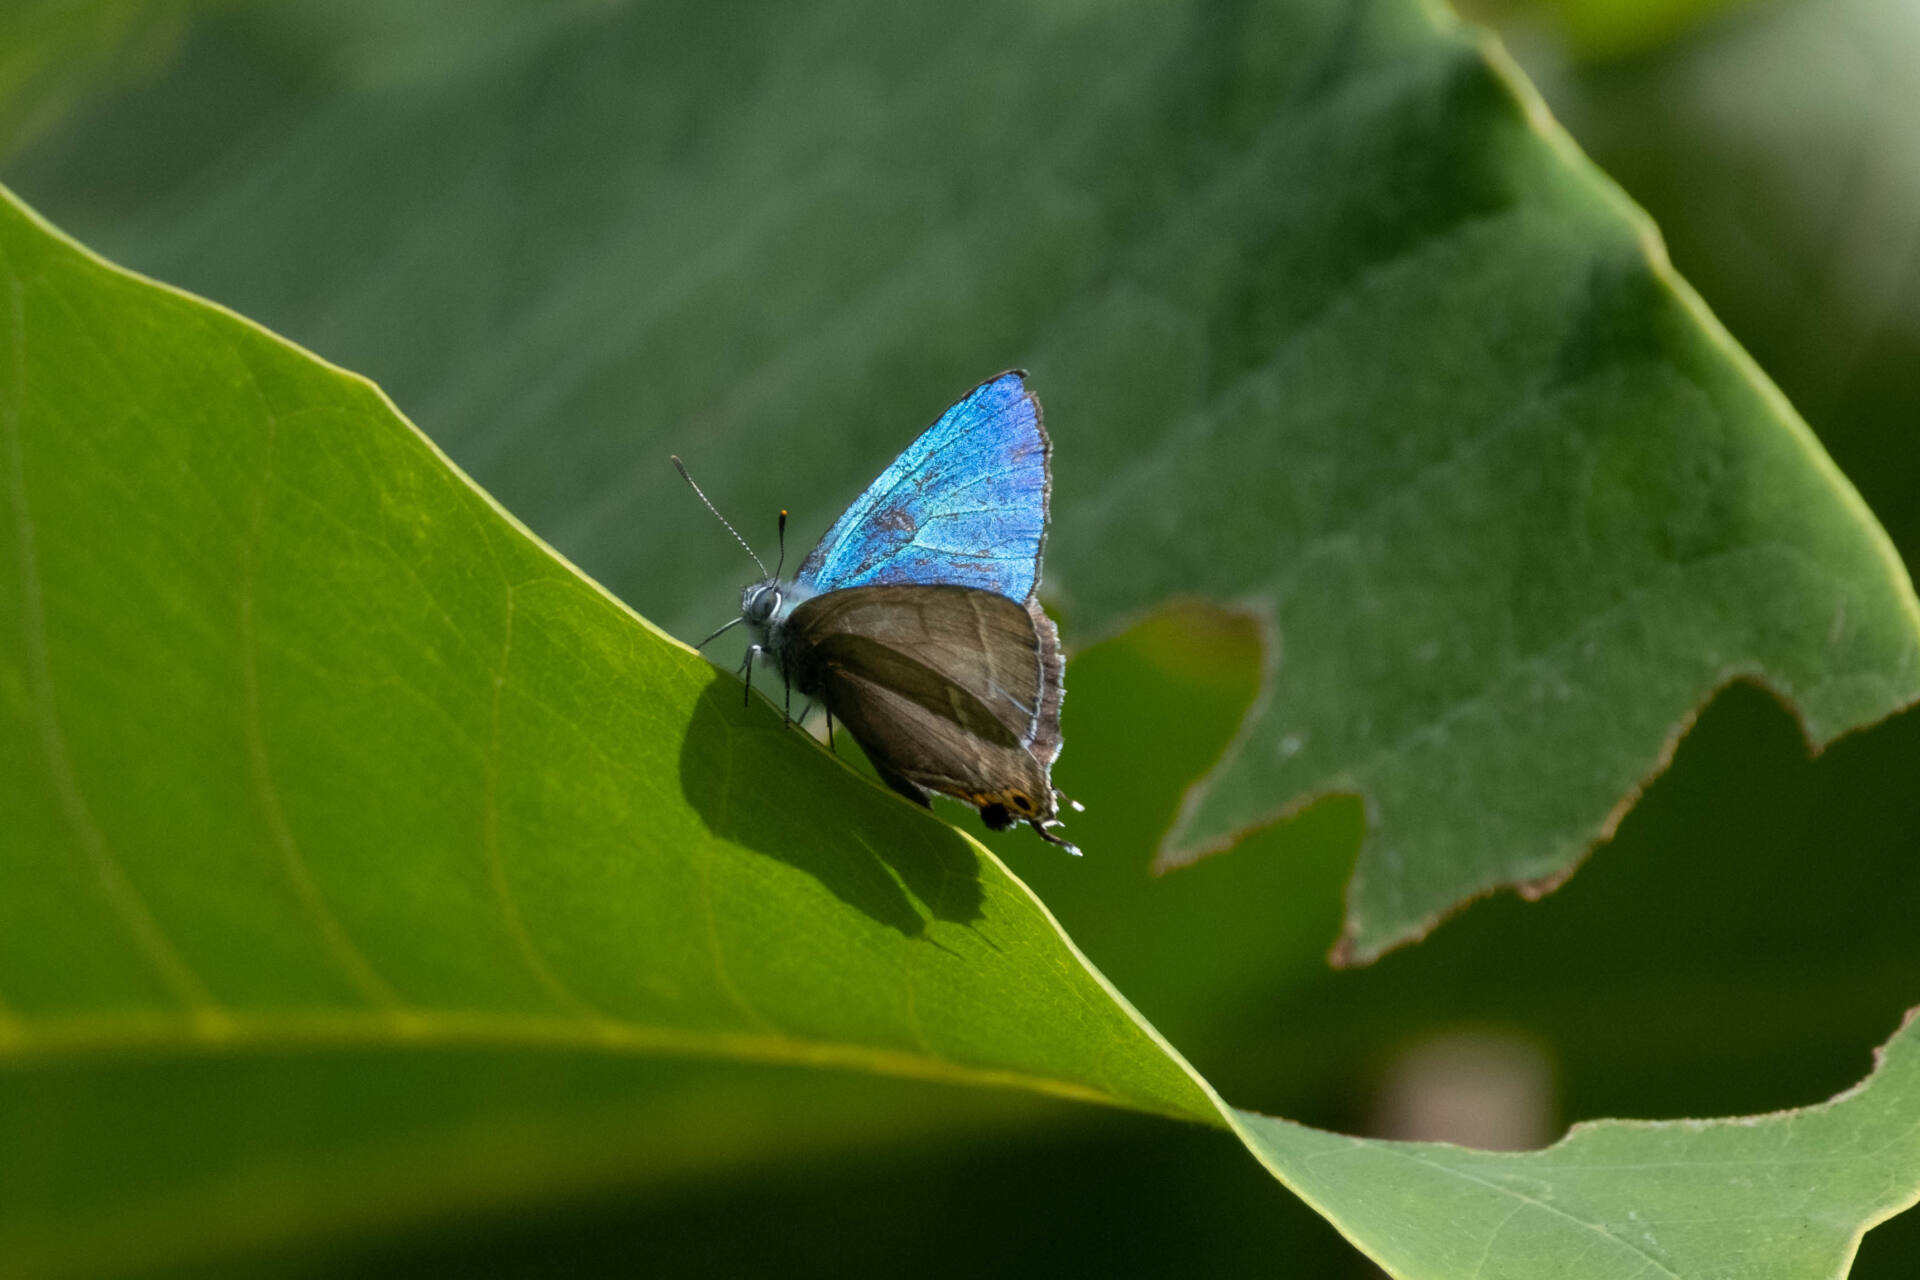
column 1045, row 743
column 950, row 689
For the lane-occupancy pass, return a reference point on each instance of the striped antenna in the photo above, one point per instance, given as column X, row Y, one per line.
column 681, row 467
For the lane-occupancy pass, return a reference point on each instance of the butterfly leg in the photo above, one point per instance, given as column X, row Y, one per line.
column 830, row 745
column 786, row 707
column 746, row 673
column 1051, row 838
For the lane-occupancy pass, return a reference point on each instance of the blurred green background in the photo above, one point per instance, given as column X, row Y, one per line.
column 1740, row 945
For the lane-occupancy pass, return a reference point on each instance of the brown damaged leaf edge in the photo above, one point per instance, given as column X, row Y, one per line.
column 1171, row 856
column 1345, row 952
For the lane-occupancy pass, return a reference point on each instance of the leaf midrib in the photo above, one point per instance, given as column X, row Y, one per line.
column 27, row 1042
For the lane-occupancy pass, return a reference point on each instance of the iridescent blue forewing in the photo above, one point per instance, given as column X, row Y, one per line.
column 965, row 504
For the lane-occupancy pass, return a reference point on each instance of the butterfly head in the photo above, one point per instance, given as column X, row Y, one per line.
column 764, row 605
column 760, row 602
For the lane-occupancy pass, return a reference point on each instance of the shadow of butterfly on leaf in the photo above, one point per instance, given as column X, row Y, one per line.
column 729, row 752
column 914, row 622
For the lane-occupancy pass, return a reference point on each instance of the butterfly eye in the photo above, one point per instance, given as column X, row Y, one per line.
column 759, row 604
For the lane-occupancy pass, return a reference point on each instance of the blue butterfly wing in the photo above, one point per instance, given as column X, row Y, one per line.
column 965, row 504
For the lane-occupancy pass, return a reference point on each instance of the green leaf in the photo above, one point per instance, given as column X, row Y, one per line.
column 311, row 754
column 1787, row 1194
column 1331, row 324
column 335, row 785
column 1749, row 973
column 1795, row 124
column 272, row 656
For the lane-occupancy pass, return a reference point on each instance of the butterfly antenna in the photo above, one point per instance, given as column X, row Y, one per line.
column 681, row 467
column 783, row 543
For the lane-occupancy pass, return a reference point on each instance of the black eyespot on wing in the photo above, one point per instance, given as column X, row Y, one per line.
column 1022, row 802
column 996, row 817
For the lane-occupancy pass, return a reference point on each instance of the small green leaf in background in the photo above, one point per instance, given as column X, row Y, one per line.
column 1599, row 29
column 1777, row 1195
column 57, row 55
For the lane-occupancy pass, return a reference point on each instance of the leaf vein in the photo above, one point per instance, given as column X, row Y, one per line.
column 109, row 876
column 514, row 919
column 353, row 962
column 1599, row 1230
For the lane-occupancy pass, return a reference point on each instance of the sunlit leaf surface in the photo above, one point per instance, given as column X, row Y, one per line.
column 312, row 755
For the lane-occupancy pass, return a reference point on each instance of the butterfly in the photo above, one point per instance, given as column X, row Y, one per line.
column 914, row 621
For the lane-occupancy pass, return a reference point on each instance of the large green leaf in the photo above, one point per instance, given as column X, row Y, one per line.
column 311, row 754
column 369, row 862
column 1330, row 322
